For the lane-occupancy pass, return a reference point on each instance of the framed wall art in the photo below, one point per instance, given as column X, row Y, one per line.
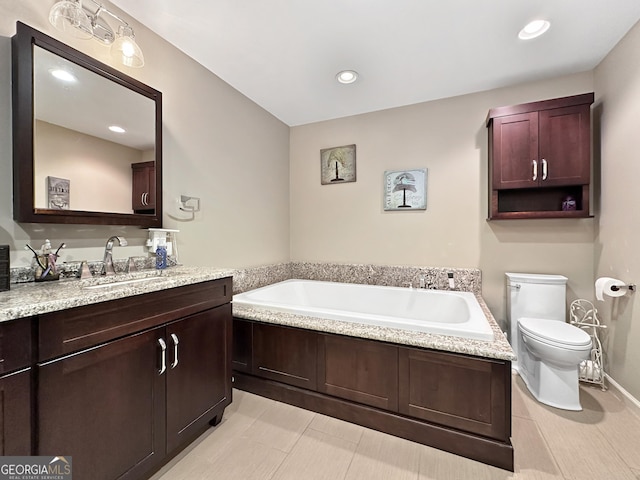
column 58, row 193
column 338, row 165
column 405, row 189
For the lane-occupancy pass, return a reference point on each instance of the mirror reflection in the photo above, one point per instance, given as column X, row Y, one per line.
column 94, row 141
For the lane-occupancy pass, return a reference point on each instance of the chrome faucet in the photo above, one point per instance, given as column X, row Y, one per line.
column 107, row 262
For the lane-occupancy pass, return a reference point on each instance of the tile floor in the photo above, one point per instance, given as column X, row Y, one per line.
column 262, row 439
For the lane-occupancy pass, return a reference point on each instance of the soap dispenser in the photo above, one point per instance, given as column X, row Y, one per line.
column 161, row 254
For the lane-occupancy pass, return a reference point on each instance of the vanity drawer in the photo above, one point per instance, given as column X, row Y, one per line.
column 78, row 328
column 15, row 345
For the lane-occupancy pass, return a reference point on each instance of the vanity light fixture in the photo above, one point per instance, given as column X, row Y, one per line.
column 347, row 76
column 534, row 29
column 117, row 129
column 82, row 21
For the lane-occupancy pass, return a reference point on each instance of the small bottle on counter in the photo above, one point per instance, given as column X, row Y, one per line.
column 161, row 254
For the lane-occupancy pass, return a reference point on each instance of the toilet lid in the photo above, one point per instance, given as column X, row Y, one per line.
column 554, row 331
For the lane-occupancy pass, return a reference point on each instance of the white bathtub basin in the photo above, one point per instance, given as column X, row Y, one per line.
column 433, row 311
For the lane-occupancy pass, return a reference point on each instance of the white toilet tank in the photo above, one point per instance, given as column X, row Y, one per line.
column 534, row 295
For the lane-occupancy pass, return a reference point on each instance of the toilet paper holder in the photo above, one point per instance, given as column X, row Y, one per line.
column 631, row 287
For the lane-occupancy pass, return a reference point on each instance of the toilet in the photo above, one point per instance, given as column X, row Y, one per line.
column 548, row 349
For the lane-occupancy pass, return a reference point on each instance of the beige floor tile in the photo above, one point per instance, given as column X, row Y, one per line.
column 244, row 459
column 382, row 456
column 438, row 465
column 337, row 428
column 533, row 460
column 619, row 425
column 317, row 456
column 580, row 449
column 518, row 405
column 189, row 468
column 279, row 426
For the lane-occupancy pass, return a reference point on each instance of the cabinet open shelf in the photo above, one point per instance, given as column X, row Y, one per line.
column 539, row 202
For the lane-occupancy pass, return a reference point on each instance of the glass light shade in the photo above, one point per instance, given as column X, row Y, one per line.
column 69, row 17
column 125, row 49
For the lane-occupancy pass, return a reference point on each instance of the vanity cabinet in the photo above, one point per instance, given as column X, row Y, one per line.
column 124, row 384
column 539, row 155
column 144, row 187
column 15, row 387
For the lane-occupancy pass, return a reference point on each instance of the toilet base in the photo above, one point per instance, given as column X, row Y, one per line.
column 553, row 385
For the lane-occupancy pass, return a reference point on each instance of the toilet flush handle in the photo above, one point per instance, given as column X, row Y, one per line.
column 516, row 286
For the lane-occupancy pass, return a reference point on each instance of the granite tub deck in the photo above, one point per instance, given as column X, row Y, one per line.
column 29, row 299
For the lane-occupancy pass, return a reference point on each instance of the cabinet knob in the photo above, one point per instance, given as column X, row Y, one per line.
column 163, row 356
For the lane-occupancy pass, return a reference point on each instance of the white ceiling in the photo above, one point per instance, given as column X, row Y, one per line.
column 284, row 54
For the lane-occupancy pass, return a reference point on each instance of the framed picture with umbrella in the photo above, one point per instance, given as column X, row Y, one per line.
column 405, row 189
column 338, row 165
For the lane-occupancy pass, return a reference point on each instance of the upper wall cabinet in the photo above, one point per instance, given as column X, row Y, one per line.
column 540, row 159
column 69, row 166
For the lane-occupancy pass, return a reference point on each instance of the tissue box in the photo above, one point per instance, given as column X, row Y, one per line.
column 4, row 268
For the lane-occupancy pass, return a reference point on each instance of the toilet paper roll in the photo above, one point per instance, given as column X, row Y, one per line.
column 604, row 287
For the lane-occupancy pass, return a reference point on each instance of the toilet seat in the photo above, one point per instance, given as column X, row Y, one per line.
column 555, row 333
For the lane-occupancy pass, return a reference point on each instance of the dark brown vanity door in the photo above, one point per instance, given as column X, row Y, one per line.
column 15, row 413
column 200, row 379
column 105, row 408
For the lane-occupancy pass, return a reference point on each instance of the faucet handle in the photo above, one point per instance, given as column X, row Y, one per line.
column 131, row 265
column 84, row 270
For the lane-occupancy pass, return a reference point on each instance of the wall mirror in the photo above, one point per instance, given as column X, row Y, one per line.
column 87, row 139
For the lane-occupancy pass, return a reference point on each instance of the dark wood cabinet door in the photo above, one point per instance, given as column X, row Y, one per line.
column 565, row 146
column 364, row 371
column 144, row 186
column 285, row 354
column 515, row 151
column 105, row 407
column 198, row 373
column 470, row 394
column 15, row 413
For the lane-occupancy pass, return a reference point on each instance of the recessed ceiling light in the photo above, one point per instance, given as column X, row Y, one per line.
column 347, row 76
column 117, row 129
column 63, row 75
column 534, row 29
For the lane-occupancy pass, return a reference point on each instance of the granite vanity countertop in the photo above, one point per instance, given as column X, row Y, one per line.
column 499, row 348
column 28, row 299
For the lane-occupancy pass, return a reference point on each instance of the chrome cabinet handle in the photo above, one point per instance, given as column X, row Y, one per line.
column 142, row 199
column 535, row 170
column 544, row 169
column 174, row 337
column 163, row 356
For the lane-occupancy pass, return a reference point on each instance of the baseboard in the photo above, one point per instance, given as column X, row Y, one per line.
column 632, row 402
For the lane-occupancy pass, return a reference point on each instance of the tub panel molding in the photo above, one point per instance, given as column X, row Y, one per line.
column 463, row 406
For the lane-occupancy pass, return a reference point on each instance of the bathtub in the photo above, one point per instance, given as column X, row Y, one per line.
column 432, row 311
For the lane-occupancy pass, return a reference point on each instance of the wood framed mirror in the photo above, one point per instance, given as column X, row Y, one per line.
column 69, row 167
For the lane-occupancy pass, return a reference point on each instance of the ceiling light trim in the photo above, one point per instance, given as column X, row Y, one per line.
column 347, row 77
column 534, row 29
